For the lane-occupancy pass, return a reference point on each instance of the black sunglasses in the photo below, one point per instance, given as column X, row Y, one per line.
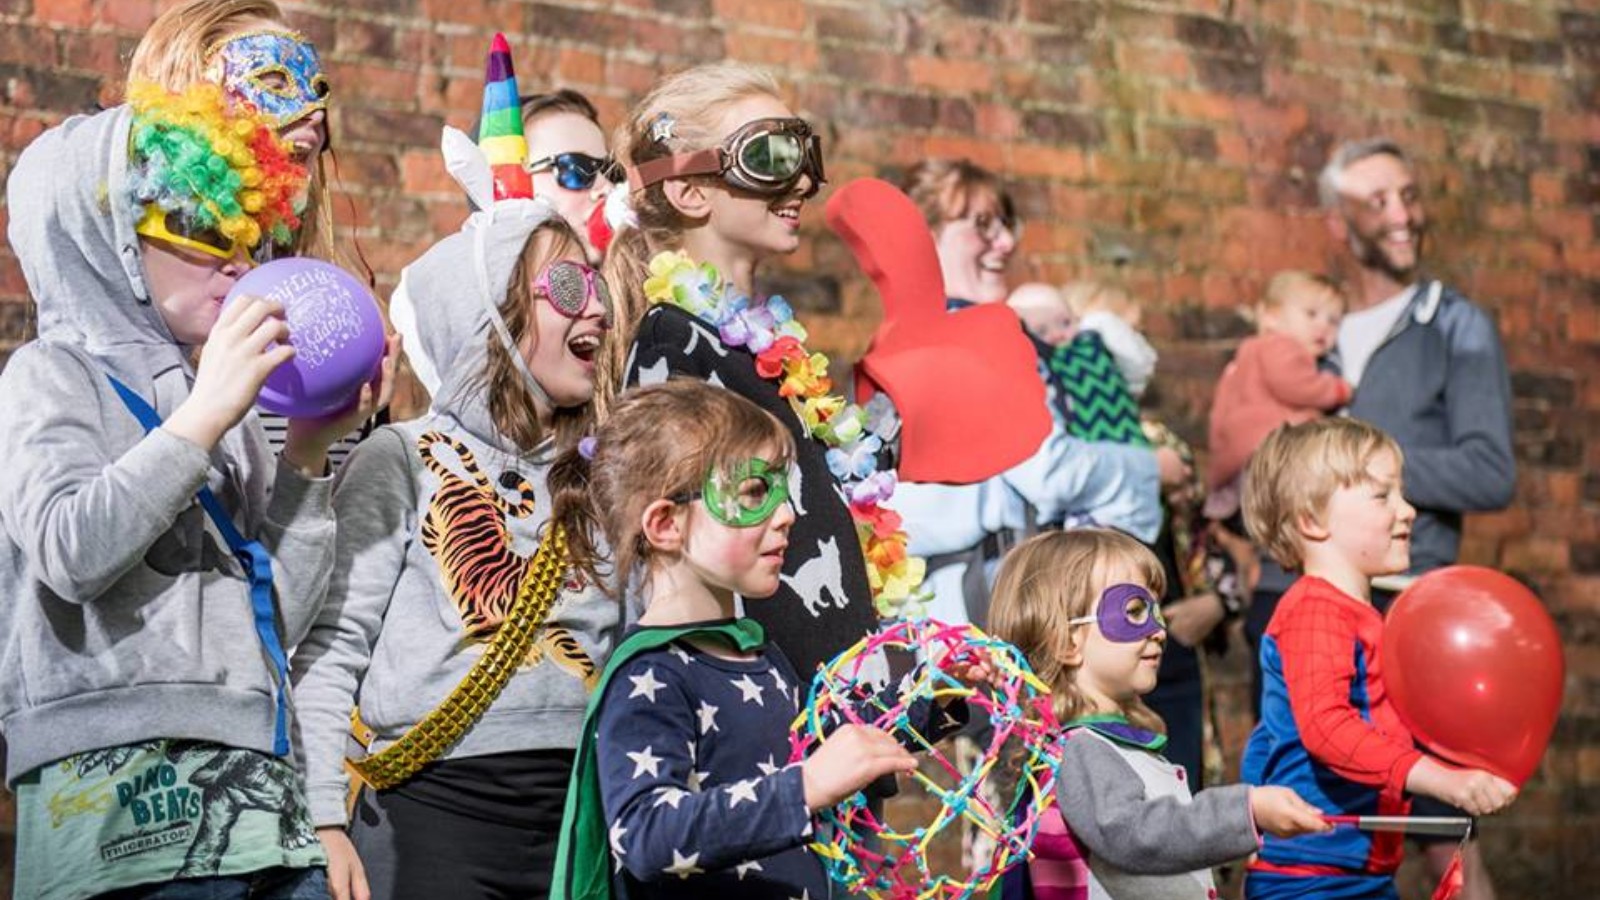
column 577, row 171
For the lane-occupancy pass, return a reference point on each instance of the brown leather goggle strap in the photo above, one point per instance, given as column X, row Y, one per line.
column 678, row 165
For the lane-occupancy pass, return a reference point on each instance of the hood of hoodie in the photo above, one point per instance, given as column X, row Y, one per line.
column 73, row 233
column 447, row 303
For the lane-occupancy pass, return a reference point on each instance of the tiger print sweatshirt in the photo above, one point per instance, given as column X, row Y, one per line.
column 439, row 520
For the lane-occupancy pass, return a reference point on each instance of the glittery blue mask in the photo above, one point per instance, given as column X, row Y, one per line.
column 278, row 71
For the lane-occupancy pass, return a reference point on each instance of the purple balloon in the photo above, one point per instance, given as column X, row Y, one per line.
column 336, row 330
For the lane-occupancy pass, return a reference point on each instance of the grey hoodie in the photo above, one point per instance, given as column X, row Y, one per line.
column 126, row 617
column 391, row 636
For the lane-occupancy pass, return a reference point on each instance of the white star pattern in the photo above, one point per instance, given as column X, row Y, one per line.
column 645, row 685
column 617, row 831
column 742, row 791
column 805, row 894
column 783, row 686
column 684, row 866
column 682, row 654
column 708, row 718
column 645, row 761
column 670, row 796
column 769, row 767
column 697, row 780
column 750, row 690
column 747, row 867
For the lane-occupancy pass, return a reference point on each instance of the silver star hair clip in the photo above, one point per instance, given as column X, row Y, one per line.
column 661, row 128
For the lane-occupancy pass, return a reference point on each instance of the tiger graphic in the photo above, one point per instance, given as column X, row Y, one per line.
column 466, row 532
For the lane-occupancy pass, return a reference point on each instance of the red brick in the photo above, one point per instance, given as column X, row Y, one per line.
column 789, row 17
column 70, row 13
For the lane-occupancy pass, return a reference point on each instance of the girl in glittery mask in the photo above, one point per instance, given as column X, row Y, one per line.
column 1081, row 605
column 248, row 47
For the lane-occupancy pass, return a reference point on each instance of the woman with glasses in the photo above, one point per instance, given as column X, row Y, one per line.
column 719, row 170
column 964, row 529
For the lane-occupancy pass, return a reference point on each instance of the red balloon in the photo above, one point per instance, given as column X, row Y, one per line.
column 1474, row 665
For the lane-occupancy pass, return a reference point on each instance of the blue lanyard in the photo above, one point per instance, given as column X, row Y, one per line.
column 257, row 562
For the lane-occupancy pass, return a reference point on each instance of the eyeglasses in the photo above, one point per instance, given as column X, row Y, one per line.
column 174, row 227
column 576, row 171
column 766, row 156
column 744, row 497
column 568, row 286
column 991, row 226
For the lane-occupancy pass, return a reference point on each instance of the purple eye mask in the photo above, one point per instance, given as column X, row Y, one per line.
column 1112, row 615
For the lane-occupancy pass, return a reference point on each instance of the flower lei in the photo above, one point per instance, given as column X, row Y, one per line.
column 853, row 434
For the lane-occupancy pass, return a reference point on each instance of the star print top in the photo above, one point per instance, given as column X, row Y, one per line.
column 691, row 749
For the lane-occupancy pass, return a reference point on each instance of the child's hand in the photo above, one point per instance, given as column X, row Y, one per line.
column 1280, row 812
column 234, row 364
column 1173, row 470
column 308, row 440
column 974, row 669
column 848, row 760
column 347, row 878
column 1477, row 792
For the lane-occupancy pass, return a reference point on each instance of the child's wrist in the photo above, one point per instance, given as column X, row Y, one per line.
column 197, row 426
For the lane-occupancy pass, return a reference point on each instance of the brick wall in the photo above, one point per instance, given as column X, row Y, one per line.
column 1170, row 145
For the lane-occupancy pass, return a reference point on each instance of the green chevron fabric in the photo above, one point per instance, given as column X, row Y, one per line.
column 1099, row 405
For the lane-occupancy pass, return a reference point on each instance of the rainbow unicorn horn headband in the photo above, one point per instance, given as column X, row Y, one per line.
column 500, row 132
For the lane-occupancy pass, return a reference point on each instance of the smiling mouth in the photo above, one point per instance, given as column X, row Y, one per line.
column 788, row 213
column 584, row 346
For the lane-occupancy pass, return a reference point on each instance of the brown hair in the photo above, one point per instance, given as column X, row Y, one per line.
column 1057, row 576
column 659, row 441
column 511, row 405
column 172, row 53
column 949, row 189
column 1296, row 470
column 563, row 100
column 694, row 99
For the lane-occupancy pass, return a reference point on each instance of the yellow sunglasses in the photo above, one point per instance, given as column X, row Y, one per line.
column 173, row 227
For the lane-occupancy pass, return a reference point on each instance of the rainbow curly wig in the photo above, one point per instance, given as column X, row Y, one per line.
column 219, row 163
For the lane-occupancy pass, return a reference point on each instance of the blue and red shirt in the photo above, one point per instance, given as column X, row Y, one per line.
column 1328, row 731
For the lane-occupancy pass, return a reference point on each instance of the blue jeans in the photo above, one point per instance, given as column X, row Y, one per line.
column 267, row 884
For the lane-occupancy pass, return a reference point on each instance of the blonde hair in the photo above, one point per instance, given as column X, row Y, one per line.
column 693, row 100
column 511, row 405
column 949, row 189
column 1057, row 576
column 1086, row 296
column 1291, row 283
column 172, row 53
column 658, row 442
column 1296, row 470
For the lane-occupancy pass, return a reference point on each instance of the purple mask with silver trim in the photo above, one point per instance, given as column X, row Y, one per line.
column 1127, row 614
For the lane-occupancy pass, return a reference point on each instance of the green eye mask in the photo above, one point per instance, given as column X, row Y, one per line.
column 745, row 496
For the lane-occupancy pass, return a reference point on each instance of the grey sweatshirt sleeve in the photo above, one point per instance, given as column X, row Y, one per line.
column 374, row 501
column 1103, row 802
column 299, row 533
column 1477, row 470
column 83, row 515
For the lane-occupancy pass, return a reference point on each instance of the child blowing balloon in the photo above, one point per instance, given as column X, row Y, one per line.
column 1324, row 498
column 685, row 751
column 1081, row 605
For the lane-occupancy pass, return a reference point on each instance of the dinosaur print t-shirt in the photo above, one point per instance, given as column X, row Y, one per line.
column 157, row 811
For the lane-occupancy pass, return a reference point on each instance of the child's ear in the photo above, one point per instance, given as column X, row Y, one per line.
column 661, row 527
column 1310, row 527
column 688, row 196
column 1072, row 654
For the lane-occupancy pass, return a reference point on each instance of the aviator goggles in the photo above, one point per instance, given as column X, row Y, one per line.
column 174, row 227
column 1127, row 614
column 766, row 156
column 576, row 171
column 569, row 286
column 744, row 496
